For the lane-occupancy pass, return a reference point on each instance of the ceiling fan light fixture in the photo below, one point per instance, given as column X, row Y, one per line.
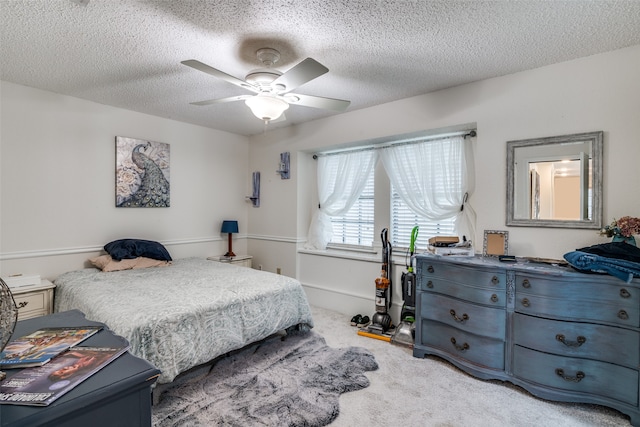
column 266, row 107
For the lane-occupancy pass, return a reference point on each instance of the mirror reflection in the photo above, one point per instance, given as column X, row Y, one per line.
column 555, row 182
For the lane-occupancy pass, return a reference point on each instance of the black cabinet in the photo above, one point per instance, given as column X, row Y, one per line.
column 117, row 395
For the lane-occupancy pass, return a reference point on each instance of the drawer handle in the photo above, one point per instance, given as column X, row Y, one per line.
column 579, row 376
column 22, row 304
column 495, row 280
column 462, row 319
column 463, row 347
column 494, row 298
column 577, row 343
column 429, row 284
column 623, row 315
column 430, row 269
column 624, row 293
column 525, row 302
column 526, row 283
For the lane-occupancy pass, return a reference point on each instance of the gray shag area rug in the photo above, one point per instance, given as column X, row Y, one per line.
column 291, row 381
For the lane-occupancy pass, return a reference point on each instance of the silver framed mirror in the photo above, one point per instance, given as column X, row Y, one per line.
column 555, row 181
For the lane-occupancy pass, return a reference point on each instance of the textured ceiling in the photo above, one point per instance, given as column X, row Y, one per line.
column 127, row 53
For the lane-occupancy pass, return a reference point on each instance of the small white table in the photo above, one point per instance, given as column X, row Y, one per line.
column 241, row 260
column 34, row 300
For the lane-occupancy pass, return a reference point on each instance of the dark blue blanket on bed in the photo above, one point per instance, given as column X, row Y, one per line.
column 620, row 260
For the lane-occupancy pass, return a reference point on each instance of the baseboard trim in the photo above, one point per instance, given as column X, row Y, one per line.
column 368, row 298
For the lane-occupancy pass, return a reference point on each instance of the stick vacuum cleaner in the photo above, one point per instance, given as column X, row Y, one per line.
column 405, row 332
column 381, row 320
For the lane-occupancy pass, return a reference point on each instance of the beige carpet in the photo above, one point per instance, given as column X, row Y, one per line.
column 407, row 391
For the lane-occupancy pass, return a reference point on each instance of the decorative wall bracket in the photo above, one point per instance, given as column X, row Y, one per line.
column 255, row 197
column 284, row 165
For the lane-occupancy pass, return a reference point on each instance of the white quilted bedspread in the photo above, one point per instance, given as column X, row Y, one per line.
column 188, row 313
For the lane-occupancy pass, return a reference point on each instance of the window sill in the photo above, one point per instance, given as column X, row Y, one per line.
column 361, row 255
column 356, row 255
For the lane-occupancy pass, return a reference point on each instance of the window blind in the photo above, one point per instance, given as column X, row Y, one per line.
column 403, row 220
column 356, row 226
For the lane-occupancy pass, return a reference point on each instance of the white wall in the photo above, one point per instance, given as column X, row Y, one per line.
column 57, row 181
column 57, row 175
column 600, row 92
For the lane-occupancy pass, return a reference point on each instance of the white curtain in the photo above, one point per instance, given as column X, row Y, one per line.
column 435, row 179
column 341, row 179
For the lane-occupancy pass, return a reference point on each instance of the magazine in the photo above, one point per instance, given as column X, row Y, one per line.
column 39, row 347
column 42, row 385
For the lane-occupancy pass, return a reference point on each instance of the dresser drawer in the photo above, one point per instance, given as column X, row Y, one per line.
column 491, row 297
column 582, row 297
column 577, row 309
column 486, row 321
column 479, row 350
column 584, row 340
column 578, row 375
column 474, row 276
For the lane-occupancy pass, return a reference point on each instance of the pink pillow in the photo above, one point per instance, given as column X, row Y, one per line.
column 106, row 263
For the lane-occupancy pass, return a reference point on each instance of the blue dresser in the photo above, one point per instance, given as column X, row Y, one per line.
column 560, row 334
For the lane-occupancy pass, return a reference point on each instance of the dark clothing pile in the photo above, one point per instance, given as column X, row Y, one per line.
column 619, row 259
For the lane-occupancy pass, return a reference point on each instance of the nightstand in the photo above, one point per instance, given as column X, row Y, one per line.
column 34, row 300
column 241, row 260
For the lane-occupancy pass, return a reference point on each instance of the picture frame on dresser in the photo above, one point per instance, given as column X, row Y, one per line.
column 495, row 243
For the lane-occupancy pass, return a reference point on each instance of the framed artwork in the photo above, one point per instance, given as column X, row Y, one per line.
column 142, row 173
column 496, row 243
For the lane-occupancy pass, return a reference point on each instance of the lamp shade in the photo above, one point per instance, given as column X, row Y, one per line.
column 229, row 227
column 266, row 107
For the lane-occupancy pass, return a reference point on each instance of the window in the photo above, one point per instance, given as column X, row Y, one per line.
column 432, row 173
column 356, row 226
column 403, row 220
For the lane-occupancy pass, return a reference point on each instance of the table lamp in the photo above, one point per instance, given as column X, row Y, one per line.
column 229, row 227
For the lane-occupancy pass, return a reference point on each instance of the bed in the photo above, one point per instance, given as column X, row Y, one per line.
column 187, row 313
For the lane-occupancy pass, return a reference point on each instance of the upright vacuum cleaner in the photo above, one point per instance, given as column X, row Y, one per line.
column 405, row 332
column 381, row 319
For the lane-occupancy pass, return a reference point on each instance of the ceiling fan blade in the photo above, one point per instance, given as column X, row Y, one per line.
column 301, row 73
column 318, row 102
column 219, row 74
column 222, row 100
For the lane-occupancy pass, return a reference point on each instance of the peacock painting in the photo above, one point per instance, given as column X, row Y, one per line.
column 142, row 173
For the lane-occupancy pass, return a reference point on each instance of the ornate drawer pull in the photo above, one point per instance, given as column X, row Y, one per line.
column 525, row 302
column 579, row 376
column 430, row 269
column 429, row 284
column 22, row 304
column 623, row 315
column 463, row 347
column 579, row 341
column 462, row 319
column 526, row 283
column 624, row 293
column 495, row 280
column 494, row 298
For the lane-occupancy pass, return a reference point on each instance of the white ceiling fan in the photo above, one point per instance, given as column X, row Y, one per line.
column 273, row 88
